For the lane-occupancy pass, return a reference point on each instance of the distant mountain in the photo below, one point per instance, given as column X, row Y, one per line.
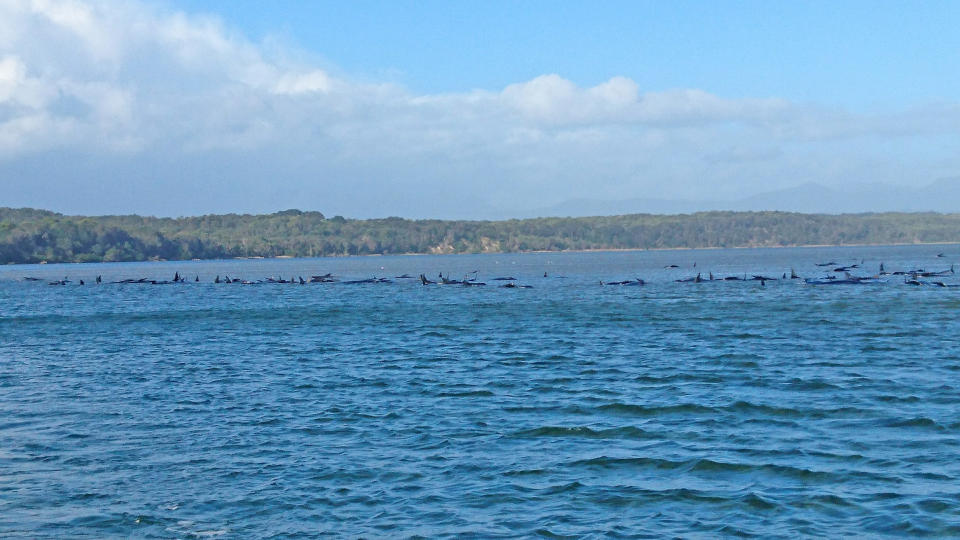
column 940, row 196
column 594, row 207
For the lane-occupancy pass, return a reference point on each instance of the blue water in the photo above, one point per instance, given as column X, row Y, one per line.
column 396, row 410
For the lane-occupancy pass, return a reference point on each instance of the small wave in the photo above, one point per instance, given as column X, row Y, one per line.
column 898, row 399
column 570, row 409
column 527, row 472
column 642, row 410
column 562, row 488
column 812, row 384
column 88, row 496
column 547, row 533
column 830, row 500
column 936, row 506
column 790, row 412
column 747, row 335
column 470, row 393
column 768, row 410
column 683, row 495
column 778, row 470
column 757, row 502
column 879, row 348
column 628, row 432
column 16, row 424
column 605, row 462
column 917, row 422
column 703, row 465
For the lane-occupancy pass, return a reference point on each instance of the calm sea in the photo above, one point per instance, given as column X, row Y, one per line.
column 566, row 409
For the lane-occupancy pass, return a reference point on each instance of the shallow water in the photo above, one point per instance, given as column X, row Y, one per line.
column 722, row 408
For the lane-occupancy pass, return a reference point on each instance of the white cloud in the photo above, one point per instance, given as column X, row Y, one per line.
column 303, row 83
column 17, row 89
column 108, row 78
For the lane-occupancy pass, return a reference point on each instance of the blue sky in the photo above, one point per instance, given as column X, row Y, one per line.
column 469, row 109
column 853, row 53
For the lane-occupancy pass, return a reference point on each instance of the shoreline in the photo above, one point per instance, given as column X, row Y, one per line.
column 597, row 250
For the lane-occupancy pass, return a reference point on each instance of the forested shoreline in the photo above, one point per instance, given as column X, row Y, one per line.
column 33, row 236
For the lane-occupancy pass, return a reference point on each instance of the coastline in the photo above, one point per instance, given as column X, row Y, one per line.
column 597, row 250
column 32, row 236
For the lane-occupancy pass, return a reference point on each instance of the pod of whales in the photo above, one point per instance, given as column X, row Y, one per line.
column 915, row 277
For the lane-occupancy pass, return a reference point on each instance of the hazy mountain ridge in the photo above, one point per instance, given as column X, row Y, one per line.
column 810, row 198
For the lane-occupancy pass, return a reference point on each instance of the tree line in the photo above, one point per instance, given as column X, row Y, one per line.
column 33, row 236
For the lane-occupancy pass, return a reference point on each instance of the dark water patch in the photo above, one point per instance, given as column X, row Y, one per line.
column 746, row 407
column 757, row 502
column 467, row 393
column 920, row 422
column 812, row 385
column 898, row 399
column 527, row 472
column 547, row 533
column 627, row 497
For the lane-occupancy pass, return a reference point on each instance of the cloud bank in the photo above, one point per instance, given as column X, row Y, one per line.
column 116, row 107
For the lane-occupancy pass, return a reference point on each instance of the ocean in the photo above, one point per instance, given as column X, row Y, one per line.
column 567, row 409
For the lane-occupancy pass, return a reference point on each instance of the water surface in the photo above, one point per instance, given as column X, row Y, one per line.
column 570, row 408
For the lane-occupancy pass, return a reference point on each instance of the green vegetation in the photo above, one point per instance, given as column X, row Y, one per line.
column 31, row 236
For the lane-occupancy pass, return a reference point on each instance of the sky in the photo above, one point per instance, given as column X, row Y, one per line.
column 474, row 110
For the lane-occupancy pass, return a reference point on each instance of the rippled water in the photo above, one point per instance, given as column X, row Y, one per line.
column 721, row 408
